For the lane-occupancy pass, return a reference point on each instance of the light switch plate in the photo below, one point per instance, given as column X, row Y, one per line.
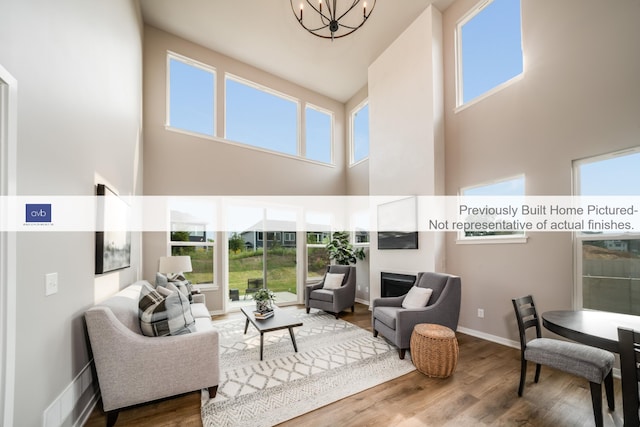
column 51, row 284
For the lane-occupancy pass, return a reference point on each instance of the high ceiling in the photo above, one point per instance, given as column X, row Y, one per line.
column 266, row 35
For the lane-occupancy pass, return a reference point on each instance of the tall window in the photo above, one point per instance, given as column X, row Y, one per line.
column 191, row 95
column 360, row 133
column 608, row 276
column 489, row 48
column 512, row 187
column 260, row 117
column 318, row 134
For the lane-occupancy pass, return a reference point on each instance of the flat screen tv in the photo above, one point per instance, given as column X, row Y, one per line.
column 397, row 224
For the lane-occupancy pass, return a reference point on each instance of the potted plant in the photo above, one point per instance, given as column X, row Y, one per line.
column 264, row 298
column 342, row 251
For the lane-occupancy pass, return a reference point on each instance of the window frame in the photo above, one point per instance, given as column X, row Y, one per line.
column 461, row 238
column 580, row 237
column 196, row 64
column 459, row 66
column 304, row 151
column 352, row 134
column 270, row 91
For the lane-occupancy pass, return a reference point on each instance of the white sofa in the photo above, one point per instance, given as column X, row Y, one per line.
column 133, row 368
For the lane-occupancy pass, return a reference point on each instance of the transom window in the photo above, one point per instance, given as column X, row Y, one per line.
column 489, row 48
column 360, row 133
column 260, row 117
column 318, row 139
column 191, row 95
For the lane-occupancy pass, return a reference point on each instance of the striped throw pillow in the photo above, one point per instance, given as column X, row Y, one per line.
column 162, row 316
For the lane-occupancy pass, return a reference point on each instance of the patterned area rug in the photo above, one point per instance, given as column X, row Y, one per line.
column 335, row 359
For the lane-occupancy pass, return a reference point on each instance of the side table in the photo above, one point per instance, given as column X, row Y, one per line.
column 434, row 350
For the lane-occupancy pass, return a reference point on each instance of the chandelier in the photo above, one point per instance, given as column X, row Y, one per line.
column 332, row 19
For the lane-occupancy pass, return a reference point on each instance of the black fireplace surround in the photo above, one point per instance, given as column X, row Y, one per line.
column 395, row 284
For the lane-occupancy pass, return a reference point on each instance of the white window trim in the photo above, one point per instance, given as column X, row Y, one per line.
column 352, row 146
column 201, row 286
column 579, row 237
column 460, row 104
column 461, row 239
column 208, row 68
column 303, row 150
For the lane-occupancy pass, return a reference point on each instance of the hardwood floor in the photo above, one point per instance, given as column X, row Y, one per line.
column 482, row 391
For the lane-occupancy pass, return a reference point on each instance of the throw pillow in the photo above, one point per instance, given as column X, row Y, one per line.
column 184, row 287
column 333, row 281
column 417, row 297
column 165, row 292
column 162, row 316
column 161, row 280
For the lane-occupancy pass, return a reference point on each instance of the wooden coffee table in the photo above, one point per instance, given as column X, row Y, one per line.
column 280, row 320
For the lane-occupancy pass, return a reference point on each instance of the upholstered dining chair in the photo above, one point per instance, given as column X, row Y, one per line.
column 335, row 292
column 395, row 322
column 629, row 345
column 585, row 361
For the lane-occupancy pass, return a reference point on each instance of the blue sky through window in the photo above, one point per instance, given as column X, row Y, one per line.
column 260, row 118
column 615, row 176
column 491, row 48
column 361, row 134
column 191, row 97
column 318, row 135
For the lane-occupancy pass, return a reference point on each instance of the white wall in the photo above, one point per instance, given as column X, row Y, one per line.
column 406, row 136
column 79, row 70
column 579, row 97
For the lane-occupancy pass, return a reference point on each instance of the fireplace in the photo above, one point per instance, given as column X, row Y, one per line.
column 395, row 284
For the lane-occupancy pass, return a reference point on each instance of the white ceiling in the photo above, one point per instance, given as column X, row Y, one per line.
column 266, row 35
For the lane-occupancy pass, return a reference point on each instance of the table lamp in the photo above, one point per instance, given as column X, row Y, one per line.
column 173, row 266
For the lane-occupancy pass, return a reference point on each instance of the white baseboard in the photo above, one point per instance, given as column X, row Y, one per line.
column 489, row 337
column 66, row 402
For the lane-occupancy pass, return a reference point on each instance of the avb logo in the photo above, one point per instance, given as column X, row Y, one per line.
column 38, row 213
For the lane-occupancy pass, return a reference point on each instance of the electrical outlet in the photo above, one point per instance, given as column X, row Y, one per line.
column 51, row 284
column 481, row 313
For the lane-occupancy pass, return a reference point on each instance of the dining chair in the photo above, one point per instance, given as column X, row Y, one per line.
column 629, row 344
column 585, row 361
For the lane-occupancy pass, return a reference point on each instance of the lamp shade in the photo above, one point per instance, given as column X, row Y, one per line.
column 175, row 264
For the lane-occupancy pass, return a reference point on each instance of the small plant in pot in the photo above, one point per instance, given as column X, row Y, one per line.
column 342, row 251
column 264, row 299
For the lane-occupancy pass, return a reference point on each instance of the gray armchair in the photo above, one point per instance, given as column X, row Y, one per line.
column 333, row 300
column 396, row 323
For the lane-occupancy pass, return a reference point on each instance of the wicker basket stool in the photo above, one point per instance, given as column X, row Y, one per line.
column 434, row 350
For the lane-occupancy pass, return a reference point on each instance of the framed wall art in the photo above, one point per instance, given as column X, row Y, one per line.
column 113, row 236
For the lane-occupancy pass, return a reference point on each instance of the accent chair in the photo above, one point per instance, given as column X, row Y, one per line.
column 334, row 300
column 396, row 323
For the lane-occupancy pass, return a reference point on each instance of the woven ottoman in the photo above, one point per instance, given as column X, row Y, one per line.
column 434, row 350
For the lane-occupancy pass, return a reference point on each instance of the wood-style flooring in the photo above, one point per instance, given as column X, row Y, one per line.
column 481, row 392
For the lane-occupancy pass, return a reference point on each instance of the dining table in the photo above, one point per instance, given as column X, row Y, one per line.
column 591, row 327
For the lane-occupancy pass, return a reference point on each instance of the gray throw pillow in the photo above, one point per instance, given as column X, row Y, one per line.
column 162, row 316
